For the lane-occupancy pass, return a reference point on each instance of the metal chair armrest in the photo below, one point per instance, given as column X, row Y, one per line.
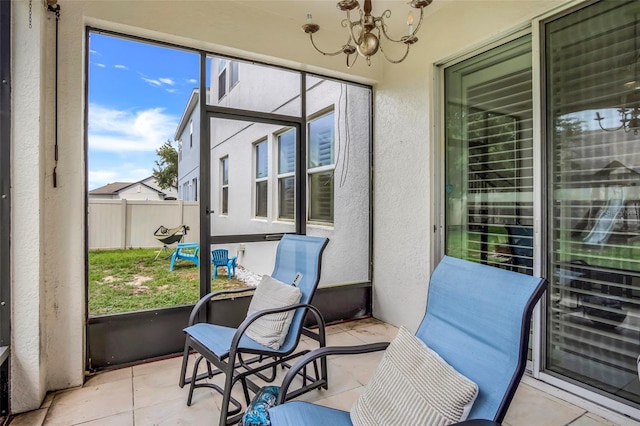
column 251, row 318
column 323, row 352
column 211, row 296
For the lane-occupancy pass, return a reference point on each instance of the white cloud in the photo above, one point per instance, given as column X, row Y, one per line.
column 172, row 90
column 121, row 67
column 192, row 81
column 119, row 131
column 167, row 80
column 101, row 65
column 152, row 81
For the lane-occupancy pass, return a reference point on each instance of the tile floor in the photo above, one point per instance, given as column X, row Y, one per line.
column 148, row 394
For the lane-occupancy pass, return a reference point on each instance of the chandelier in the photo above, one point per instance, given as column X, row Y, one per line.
column 629, row 117
column 629, row 120
column 364, row 35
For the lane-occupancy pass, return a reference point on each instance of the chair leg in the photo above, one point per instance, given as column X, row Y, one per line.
column 173, row 260
column 194, row 377
column 185, row 361
column 226, row 396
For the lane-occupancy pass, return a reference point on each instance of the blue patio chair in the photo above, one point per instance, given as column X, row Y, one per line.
column 477, row 320
column 220, row 257
column 185, row 251
column 298, row 260
column 521, row 244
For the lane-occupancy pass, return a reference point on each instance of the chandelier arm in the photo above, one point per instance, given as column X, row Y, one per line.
column 326, row 53
column 354, row 61
column 417, row 28
column 599, row 119
column 383, row 26
column 395, row 61
column 349, row 24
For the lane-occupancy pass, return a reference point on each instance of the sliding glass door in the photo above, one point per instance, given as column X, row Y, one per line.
column 588, row 163
column 489, row 158
column 593, row 95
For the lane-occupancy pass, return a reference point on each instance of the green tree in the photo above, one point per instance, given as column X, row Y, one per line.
column 167, row 172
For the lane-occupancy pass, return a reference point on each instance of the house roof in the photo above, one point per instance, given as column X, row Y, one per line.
column 110, row 188
column 116, row 187
column 186, row 114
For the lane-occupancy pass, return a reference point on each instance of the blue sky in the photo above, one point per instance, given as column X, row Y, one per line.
column 137, row 92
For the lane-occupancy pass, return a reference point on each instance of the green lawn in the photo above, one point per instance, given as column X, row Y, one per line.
column 130, row 280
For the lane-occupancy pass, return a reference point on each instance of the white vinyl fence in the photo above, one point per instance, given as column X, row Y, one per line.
column 121, row 224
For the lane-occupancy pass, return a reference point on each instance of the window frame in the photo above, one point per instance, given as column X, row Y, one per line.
column 280, row 176
column 222, row 78
column 262, row 180
column 310, row 171
column 233, row 74
column 224, row 185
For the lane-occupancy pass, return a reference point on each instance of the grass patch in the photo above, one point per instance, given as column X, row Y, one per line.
column 131, row 280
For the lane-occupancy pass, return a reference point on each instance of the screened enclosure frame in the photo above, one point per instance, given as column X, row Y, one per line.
column 163, row 317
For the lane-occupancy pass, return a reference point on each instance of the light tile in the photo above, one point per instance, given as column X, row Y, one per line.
column 361, row 367
column 30, row 418
column 592, row 420
column 90, row 403
column 162, row 385
column 533, row 407
column 340, row 380
column 375, row 333
column 47, row 400
column 152, row 367
column 361, row 323
column 176, row 412
column 342, row 401
column 109, row 376
column 122, row 419
column 344, row 338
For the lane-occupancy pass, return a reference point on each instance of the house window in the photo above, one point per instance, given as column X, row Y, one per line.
column 224, row 166
column 194, row 184
column 222, row 78
column 321, row 163
column 233, row 74
column 286, row 178
column 185, row 191
column 179, row 151
column 191, row 134
column 261, row 179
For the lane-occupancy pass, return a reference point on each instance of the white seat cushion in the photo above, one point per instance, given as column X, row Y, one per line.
column 413, row 385
column 271, row 330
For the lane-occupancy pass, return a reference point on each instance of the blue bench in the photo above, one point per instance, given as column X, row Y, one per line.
column 186, row 251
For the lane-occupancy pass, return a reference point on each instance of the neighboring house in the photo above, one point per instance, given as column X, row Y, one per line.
column 252, row 164
column 188, row 138
column 146, row 189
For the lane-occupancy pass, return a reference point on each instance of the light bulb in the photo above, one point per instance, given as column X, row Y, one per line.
column 410, row 23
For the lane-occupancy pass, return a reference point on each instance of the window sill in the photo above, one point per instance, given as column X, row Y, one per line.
column 320, row 225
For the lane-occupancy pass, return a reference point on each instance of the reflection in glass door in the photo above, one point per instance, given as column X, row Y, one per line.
column 594, row 199
column 489, row 158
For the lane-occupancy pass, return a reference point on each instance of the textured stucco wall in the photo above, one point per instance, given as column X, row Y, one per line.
column 28, row 381
column 48, row 228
